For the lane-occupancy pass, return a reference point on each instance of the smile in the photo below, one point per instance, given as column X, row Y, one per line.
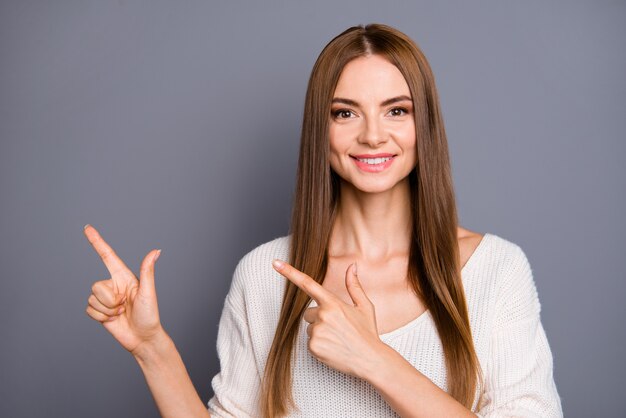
column 373, row 165
column 373, row 161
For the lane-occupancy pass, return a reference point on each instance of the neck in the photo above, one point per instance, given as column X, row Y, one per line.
column 372, row 226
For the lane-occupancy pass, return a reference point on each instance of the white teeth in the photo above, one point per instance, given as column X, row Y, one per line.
column 374, row 161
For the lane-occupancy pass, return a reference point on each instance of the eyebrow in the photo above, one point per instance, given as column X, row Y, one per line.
column 387, row 102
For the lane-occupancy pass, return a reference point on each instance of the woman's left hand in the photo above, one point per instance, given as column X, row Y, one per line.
column 342, row 336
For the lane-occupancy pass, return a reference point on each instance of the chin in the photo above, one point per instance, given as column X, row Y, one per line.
column 373, row 186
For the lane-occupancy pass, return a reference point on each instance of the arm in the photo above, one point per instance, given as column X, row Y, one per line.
column 346, row 338
column 407, row 391
column 237, row 385
column 168, row 379
column 127, row 308
column 519, row 375
column 518, row 383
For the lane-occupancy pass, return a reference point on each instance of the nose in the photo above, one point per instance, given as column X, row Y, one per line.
column 373, row 132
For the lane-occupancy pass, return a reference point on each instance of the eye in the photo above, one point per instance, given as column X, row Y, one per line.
column 398, row 111
column 342, row 114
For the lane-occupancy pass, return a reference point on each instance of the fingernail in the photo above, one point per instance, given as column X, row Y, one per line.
column 85, row 227
column 156, row 257
column 278, row 264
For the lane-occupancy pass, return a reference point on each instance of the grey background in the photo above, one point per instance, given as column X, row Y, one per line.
column 175, row 125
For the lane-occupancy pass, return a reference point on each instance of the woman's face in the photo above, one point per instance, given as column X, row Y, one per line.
column 372, row 130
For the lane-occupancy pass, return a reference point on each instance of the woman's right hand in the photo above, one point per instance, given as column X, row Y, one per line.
column 125, row 306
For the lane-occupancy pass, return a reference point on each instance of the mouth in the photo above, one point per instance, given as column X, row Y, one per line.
column 373, row 163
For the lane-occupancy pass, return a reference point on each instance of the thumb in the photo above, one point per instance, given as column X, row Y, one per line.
column 354, row 287
column 146, row 274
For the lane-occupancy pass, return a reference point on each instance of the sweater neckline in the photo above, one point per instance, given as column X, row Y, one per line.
column 472, row 259
column 469, row 264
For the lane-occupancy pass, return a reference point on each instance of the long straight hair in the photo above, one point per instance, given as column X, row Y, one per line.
column 434, row 266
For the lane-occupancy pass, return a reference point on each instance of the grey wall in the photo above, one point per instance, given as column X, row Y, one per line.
column 175, row 125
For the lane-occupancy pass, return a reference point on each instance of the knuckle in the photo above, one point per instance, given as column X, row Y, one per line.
column 333, row 304
column 316, row 333
column 91, row 313
column 108, row 255
column 324, row 315
column 105, row 254
column 306, row 287
column 315, row 347
column 339, row 314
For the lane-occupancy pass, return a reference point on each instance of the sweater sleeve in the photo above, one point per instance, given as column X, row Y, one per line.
column 236, row 386
column 519, row 378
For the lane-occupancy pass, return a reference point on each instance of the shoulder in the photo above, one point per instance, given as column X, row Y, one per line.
column 500, row 269
column 489, row 252
column 516, row 292
column 276, row 248
column 468, row 242
column 510, row 260
column 265, row 253
column 255, row 268
column 504, row 251
column 499, row 285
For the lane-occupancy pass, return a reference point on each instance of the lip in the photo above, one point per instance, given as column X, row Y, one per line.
column 373, row 168
column 372, row 155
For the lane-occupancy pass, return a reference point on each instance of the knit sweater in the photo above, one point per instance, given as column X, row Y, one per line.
column 503, row 309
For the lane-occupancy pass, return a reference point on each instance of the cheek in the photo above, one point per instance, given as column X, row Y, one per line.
column 406, row 134
column 408, row 140
column 339, row 161
column 338, row 145
column 334, row 160
column 332, row 143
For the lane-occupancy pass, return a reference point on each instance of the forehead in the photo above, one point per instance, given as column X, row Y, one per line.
column 372, row 77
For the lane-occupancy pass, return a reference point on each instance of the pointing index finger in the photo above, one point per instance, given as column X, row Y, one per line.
column 304, row 282
column 113, row 263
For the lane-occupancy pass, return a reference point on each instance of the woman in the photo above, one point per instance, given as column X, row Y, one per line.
column 389, row 307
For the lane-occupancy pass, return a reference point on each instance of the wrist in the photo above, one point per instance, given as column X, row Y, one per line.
column 153, row 349
column 375, row 366
column 387, row 367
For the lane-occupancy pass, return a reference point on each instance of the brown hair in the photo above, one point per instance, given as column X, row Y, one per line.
column 434, row 270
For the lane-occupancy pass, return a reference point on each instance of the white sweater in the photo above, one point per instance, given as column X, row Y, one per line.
column 504, row 315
